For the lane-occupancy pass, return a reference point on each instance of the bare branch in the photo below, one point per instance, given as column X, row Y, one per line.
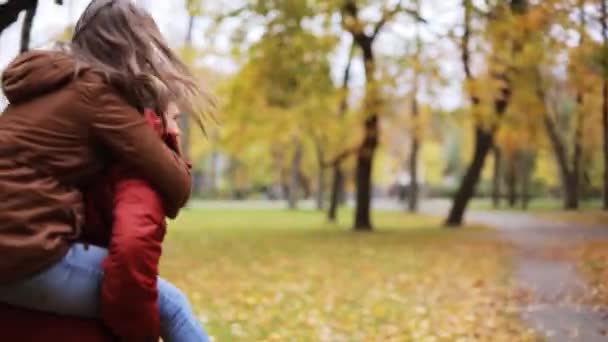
column 26, row 31
column 9, row 12
column 390, row 14
column 346, row 80
column 233, row 13
column 466, row 40
column 337, row 160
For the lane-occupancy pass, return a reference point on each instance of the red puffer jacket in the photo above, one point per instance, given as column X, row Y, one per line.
column 134, row 211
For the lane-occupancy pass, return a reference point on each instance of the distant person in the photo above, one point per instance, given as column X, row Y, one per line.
column 72, row 115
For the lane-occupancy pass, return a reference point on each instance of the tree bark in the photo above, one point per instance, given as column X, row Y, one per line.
column 320, row 195
column 336, row 192
column 9, row 12
column 483, row 143
column 604, row 23
column 573, row 185
column 365, row 161
column 415, row 144
column 567, row 176
column 415, row 148
column 571, row 194
column 294, row 179
column 337, row 196
column 321, row 189
column 527, row 162
column 605, row 132
column 28, row 22
column 484, row 139
column 511, row 179
column 497, row 177
column 365, row 157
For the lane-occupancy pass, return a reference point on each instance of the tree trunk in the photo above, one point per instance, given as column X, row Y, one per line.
column 483, row 144
column 365, row 157
column 365, row 161
column 321, row 191
column 414, row 191
column 336, row 192
column 9, row 11
column 26, row 31
column 511, row 180
column 497, row 177
column 337, row 196
column 604, row 23
column 320, row 194
column 414, row 183
column 605, row 129
column 304, row 184
column 527, row 162
column 573, row 184
column 320, row 198
column 571, row 193
column 415, row 145
column 484, row 140
column 294, row 179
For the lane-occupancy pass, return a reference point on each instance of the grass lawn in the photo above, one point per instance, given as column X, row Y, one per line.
column 274, row 275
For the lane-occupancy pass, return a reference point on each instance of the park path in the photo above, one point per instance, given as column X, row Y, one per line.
column 558, row 306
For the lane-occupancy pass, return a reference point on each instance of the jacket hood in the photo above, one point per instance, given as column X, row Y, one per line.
column 36, row 73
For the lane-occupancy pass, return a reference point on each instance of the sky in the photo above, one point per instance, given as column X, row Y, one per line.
column 171, row 17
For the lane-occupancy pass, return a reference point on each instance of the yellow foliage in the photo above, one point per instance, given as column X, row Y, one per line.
column 278, row 276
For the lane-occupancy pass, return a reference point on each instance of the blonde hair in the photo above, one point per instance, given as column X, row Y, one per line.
column 123, row 43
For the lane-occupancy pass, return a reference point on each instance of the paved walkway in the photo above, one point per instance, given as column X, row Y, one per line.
column 557, row 309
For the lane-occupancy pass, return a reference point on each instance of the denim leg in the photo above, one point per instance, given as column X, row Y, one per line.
column 70, row 287
column 178, row 323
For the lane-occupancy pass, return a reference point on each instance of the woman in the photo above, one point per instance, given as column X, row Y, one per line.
column 70, row 115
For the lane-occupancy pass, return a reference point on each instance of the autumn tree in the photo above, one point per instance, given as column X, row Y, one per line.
column 604, row 25
column 415, row 114
column 337, row 167
column 283, row 90
column 571, row 101
column 365, row 36
column 503, row 38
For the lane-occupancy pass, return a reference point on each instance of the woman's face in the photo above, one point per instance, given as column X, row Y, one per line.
column 172, row 117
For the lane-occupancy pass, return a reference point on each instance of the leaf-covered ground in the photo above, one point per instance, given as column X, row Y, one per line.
column 272, row 275
column 587, row 218
column 592, row 258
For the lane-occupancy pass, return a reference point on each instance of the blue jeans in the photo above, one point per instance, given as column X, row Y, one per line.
column 71, row 288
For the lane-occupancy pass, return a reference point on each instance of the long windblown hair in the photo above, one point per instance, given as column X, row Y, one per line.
column 123, row 43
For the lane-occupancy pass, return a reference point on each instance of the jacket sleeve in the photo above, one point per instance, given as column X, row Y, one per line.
column 129, row 295
column 125, row 131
